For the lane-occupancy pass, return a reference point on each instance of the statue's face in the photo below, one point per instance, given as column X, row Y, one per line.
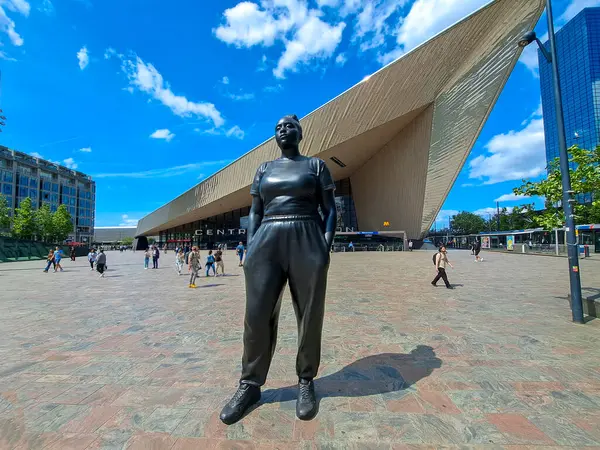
column 287, row 133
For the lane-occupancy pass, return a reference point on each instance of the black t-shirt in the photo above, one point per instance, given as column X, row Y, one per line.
column 292, row 186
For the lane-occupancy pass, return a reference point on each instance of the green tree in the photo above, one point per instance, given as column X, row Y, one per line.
column 44, row 224
column 61, row 223
column 519, row 218
column 24, row 221
column 4, row 213
column 585, row 179
column 127, row 241
column 467, row 223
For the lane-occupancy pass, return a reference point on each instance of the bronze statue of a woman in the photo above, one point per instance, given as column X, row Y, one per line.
column 288, row 241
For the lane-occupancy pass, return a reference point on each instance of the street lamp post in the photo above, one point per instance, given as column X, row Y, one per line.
column 567, row 200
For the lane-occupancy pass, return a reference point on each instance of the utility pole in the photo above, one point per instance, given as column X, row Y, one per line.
column 498, row 215
column 567, row 197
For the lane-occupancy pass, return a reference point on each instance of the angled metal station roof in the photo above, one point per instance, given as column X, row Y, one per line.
column 443, row 91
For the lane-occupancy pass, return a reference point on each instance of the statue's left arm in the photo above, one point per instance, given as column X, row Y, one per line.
column 329, row 211
column 327, row 202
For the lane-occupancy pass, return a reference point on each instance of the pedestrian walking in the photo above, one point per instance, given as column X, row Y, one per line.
column 72, row 253
column 101, row 263
column 210, row 263
column 194, row 266
column 477, row 249
column 58, row 254
column 410, row 245
column 92, row 255
column 179, row 260
column 441, row 261
column 239, row 250
column 155, row 257
column 50, row 261
column 351, row 246
column 219, row 262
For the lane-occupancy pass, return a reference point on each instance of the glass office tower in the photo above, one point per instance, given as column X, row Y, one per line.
column 578, row 47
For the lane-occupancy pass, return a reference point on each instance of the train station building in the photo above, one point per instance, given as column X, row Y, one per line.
column 394, row 143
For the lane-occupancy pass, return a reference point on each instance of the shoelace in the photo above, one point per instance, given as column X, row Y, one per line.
column 305, row 393
column 238, row 395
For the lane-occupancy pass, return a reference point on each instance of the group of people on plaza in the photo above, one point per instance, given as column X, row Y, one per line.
column 190, row 257
column 98, row 259
column 151, row 253
column 53, row 259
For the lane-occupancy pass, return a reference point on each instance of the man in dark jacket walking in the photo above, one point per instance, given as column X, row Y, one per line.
column 155, row 256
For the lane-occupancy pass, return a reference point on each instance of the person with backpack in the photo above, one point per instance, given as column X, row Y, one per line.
column 194, row 265
column 440, row 260
column 210, row 263
column 101, row 263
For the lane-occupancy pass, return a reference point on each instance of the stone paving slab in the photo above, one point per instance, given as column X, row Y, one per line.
column 139, row 361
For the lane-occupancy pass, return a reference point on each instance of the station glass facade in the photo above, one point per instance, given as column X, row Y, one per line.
column 230, row 228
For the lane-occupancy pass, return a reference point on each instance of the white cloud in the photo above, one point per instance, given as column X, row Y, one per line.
column 70, row 163
column 427, row 18
column 330, row 3
column 263, row 64
column 6, row 57
column 305, row 35
column 19, row 6
column 163, row 134
column 445, row 215
column 274, row 88
column 341, row 59
column 372, row 22
column 513, row 155
column 487, row 212
column 167, row 172
column 235, row 132
column 109, row 53
column 127, row 222
column 467, row 185
column 46, row 7
column 83, row 57
column 575, row 8
column 86, row 150
column 315, row 39
column 36, row 155
column 225, row 80
column 144, row 77
column 240, row 96
column 510, row 198
column 7, row 25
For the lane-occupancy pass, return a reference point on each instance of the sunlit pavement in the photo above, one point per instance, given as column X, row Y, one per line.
column 139, row 360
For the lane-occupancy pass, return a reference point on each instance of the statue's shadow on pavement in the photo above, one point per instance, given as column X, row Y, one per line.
column 376, row 374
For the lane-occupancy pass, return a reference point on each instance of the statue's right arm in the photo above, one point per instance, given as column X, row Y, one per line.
column 255, row 217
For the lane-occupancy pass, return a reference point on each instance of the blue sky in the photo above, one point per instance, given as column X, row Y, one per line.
column 149, row 98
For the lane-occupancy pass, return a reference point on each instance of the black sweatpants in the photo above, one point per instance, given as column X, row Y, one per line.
column 291, row 250
column 441, row 274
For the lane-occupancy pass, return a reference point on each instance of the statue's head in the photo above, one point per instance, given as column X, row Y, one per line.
column 288, row 132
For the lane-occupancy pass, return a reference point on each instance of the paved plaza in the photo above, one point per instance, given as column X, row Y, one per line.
column 139, row 361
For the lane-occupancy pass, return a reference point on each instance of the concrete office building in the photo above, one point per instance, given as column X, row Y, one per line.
column 112, row 235
column 578, row 47
column 44, row 182
column 394, row 143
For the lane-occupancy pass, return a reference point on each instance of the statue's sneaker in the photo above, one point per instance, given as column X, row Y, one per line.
column 246, row 396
